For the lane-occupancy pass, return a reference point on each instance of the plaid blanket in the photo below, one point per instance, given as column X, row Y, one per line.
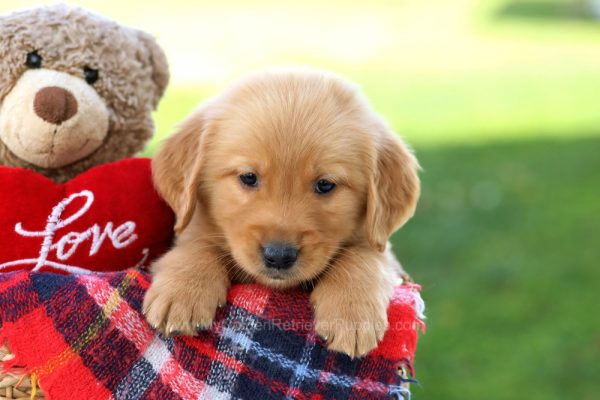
column 84, row 337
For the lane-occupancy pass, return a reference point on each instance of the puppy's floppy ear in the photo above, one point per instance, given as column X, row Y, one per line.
column 177, row 166
column 394, row 187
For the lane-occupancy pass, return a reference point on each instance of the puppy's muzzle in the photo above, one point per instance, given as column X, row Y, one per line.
column 279, row 255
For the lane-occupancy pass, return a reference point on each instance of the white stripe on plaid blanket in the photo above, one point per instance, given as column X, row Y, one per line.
column 220, row 380
column 304, row 372
column 137, row 330
column 300, row 371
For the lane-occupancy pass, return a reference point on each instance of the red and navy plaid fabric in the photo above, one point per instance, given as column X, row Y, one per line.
column 85, row 338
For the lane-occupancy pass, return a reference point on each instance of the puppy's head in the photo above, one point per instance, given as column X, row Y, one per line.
column 288, row 168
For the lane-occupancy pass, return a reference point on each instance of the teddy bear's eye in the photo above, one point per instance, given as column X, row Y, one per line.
column 33, row 60
column 91, row 75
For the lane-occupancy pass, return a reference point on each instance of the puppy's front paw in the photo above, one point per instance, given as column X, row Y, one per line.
column 350, row 326
column 182, row 307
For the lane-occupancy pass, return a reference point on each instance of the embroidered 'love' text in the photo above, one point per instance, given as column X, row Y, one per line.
column 64, row 247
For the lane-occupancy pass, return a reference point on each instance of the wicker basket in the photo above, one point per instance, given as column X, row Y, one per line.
column 17, row 384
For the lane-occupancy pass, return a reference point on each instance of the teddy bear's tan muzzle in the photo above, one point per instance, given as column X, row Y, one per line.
column 52, row 119
column 54, row 104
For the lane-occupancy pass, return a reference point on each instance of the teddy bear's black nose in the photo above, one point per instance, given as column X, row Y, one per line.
column 54, row 104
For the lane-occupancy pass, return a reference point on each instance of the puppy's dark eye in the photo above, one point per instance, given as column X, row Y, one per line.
column 91, row 75
column 324, row 186
column 249, row 179
column 33, row 60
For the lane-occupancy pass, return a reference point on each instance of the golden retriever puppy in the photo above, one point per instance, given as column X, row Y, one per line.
column 287, row 178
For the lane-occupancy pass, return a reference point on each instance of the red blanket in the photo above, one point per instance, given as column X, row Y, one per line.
column 84, row 337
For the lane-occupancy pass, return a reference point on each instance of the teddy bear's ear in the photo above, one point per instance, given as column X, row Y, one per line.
column 160, row 67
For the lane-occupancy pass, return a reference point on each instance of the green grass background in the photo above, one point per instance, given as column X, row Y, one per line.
column 501, row 100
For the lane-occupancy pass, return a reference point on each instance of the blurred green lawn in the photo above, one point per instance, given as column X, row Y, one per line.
column 501, row 100
column 505, row 245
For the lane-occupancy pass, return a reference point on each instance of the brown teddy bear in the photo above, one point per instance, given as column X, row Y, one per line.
column 76, row 90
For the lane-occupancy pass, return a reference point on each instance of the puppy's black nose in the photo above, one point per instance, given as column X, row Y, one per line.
column 279, row 255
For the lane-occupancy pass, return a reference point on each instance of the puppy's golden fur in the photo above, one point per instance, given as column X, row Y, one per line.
column 291, row 129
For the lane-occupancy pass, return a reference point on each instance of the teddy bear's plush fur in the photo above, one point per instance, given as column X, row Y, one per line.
column 76, row 90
